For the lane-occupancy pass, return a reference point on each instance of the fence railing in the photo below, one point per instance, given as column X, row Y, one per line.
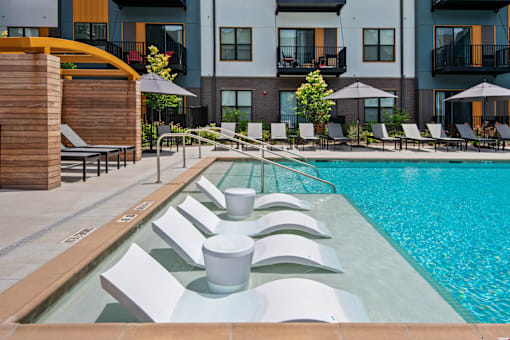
column 481, row 121
column 135, row 53
column 322, row 57
column 471, row 56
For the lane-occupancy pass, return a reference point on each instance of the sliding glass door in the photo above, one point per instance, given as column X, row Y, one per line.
column 165, row 37
column 454, row 44
column 297, row 45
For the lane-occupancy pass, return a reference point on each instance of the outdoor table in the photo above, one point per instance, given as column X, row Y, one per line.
column 240, row 202
column 228, row 259
column 292, row 140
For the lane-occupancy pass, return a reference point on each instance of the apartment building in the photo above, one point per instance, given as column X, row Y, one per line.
column 460, row 43
column 255, row 54
column 124, row 28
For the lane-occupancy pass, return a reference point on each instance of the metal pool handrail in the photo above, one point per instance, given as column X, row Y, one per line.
column 250, row 139
column 261, row 159
column 237, row 140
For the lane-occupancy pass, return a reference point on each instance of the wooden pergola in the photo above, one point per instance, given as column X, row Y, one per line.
column 70, row 51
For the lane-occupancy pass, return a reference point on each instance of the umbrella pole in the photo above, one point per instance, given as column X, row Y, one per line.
column 357, row 130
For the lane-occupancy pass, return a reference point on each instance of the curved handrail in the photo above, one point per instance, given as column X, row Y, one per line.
column 262, row 159
column 237, row 140
column 253, row 140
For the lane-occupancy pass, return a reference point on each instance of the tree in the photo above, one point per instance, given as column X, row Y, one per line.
column 310, row 99
column 158, row 64
column 395, row 119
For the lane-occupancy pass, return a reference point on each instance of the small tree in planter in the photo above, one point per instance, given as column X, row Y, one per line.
column 158, row 64
column 310, row 100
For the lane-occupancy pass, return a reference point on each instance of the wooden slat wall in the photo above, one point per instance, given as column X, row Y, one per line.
column 90, row 10
column 30, row 106
column 104, row 111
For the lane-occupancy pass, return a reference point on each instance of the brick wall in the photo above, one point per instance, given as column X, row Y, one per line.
column 30, row 99
column 267, row 107
column 104, row 111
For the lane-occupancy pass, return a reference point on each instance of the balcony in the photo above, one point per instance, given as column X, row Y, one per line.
column 151, row 3
column 299, row 60
column 493, row 5
column 309, row 6
column 135, row 53
column 471, row 59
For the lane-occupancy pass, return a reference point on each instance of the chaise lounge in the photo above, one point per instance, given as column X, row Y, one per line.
column 152, row 294
column 84, row 157
column 279, row 133
column 380, row 133
column 306, row 134
column 263, row 202
column 187, row 242
column 413, row 134
column 104, row 152
column 437, row 132
column 336, row 134
column 504, row 134
column 275, row 221
column 466, row 133
column 76, row 141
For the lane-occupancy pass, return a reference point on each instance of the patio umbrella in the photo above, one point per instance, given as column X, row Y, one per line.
column 152, row 83
column 484, row 92
column 358, row 90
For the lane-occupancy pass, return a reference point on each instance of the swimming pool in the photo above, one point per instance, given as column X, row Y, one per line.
column 451, row 219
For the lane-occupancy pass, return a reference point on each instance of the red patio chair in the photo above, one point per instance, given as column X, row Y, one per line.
column 134, row 56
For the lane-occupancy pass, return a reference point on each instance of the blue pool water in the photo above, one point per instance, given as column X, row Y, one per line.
column 452, row 219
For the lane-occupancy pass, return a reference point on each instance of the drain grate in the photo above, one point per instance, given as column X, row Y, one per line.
column 127, row 218
column 80, row 234
column 144, row 205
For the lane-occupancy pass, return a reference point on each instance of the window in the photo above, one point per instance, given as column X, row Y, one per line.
column 288, row 114
column 90, row 31
column 378, row 44
column 167, row 38
column 235, row 44
column 240, row 100
column 23, row 32
column 376, row 107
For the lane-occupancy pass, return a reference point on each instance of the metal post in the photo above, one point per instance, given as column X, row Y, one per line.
column 262, row 173
column 199, row 144
column 183, row 151
column 158, row 161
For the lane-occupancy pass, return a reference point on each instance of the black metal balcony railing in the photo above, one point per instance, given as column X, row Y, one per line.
column 493, row 5
column 151, row 3
column 458, row 59
column 135, row 54
column 309, row 6
column 304, row 59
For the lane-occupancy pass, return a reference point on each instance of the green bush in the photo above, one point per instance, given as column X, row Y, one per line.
column 395, row 119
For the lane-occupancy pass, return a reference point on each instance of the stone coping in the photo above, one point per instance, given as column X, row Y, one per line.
column 26, row 299
column 248, row 331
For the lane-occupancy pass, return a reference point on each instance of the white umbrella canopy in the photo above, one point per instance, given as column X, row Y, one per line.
column 152, row 83
column 359, row 90
column 482, row 92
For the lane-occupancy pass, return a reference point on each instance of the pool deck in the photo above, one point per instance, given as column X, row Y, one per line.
column 34, row 224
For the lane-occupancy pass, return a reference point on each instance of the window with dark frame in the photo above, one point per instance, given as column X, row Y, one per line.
column 22, row 32
column 235, row 44
column 237, row 99
column 378, row 44
column 376, row 107
column 90, row 31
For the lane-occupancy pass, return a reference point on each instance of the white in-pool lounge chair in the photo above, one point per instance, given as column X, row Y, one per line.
column 152, row 294
column 263, row 202
column 281, row 220
column 187, row 242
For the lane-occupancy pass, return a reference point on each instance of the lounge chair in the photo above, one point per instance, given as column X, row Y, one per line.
column 263, row 202
column 161, row 130
column 504, row 133
column 306, row 133
column 466, row 133
column 381, row 134
column 211, row 224
column 437, row 132
column 336, row 134
column 76, row 141
column 279, row 133
column 255, row 132
column 84, row 157
column 152, row 294
column 231, row 127
column 187, row 242
column 413, row 134
column 104, row 152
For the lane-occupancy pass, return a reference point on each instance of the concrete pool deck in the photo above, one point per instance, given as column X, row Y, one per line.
column 127, row 186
